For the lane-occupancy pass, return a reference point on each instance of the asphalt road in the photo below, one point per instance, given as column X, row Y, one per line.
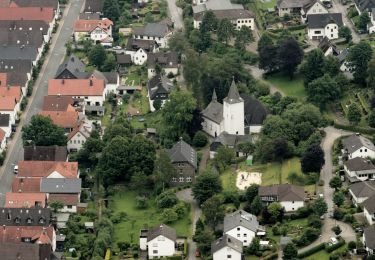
column 175, row 14
column 48, row 71
column 337, row 7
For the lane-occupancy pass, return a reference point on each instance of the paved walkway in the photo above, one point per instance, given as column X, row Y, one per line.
column 176, row 14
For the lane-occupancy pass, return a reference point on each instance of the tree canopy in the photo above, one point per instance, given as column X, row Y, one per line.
column 312, row 159
column 206, row 185
column 358, row 58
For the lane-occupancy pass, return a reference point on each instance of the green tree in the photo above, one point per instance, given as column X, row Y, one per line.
column 56, row 206
column 313, row 66
column 267, row 53
column 251, row 192
column 332, row 66
column 274, row 209
column 137, row 182
column 88, row 155
column 111, row 10
column 358, row 58
column 335, row 182
column 177, row 42
column 371, row 119
column 371, row 74
column 338, row 198
column 354, row 114
column 364, row 20
column 225, row 30
column 209, row 22
column 157, row 104
column 213, row 210
column 256, row 206
column 290, row 252
column 290, row 56
column 346, row 33
column 42, row 132
column 164, row 170
column 206, row 185
column 323, row 90
column 204, row 240
column 254, row 247
column 169, row 216
column 246, row 148
column 115, row 130
column 319, row 207
column 312, row 159
column 336, row 229
column 243, row 37
column 223, row 157
column 200, row 139
column 109, row 63
column 97, row 56
column 142, row 156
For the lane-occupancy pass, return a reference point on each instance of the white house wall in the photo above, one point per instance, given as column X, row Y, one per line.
column 290, row 206
column 76, row 142
column 227, row 253
column 368, row 217
column 160, row 247
column 362, row 152
column 243, row 234
column 212, row 128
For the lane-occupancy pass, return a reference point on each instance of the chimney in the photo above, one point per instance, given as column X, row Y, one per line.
column 4, row 227
column 91, row 83
column 63, row 81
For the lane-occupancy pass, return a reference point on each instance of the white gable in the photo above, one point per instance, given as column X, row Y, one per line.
column 55, row 174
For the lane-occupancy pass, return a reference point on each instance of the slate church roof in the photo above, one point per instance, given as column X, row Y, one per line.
column 183, row 152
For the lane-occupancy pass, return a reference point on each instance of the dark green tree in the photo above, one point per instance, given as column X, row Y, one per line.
column 116, row 130
column 371, row 74
column 290, row 55
column 209, row 22
column 364, row 20
column 312, row 159
column 319, row 207
column 111, row 10
column 338, row 198
column 164, row 170
column 109, row 63
column 290, row 252
column 243, row 37
column 213, row 211
column 358, row 58
column 225, row 30
column 97, row 56
column 371, row 119
column 354, row 114
column 142, row 156
column 323, row 90
column 274, row 209
column 332, row 66
column 313, row 66
column 223, row 158
column 267, row 50
column 254, row 247
column 336, row 229
column 256, row 206
column 335, row 182
column 346, row 33
column 200, row 139
column 206, row 185
column 157, row 104
column 251, row 192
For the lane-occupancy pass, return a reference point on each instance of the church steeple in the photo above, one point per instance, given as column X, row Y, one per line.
column 214, row 97
column 233, row 95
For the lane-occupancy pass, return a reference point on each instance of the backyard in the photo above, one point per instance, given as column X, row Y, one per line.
column 361, row 98
column 289, row 87
column 323, row 255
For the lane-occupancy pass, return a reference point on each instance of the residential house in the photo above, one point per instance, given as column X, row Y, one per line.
column 29, row 53
column 158, row 32
column 22, row 39
column 159, row 87
column 291, row 197
column 328, row 47
column 48, row 169
column 224, row 9
column 28, row 25
column 184, row 159
column 3, row 140
column 26, row 184
column 25, row 200
column 368, row 238
column 65, row 119
column 111, row 80
column 123, row 61
column 72, row 68
column 241, row 225
column 93, row 6
column 25, row 217
column 344, row 67
column 45, row 153
column 10, row 98
column 358, row 146
column 227, row 247
column 62, row 103
column 99, row 31
column 364, row 6
column 25, row 251
column 91, row 90
column 290, row 7
column 230, row 141
column 38, row 3
column 359, row 168
column 5, row 124
column 79, row 136
column 7, row 88
column 166, row 61
column 361, row 191
column 139, row 49
column 19, row 79
column 159, row 241
column 313, row 7
column 369, row 209
column 324, row 25
column 89, row 16
column 19, row 72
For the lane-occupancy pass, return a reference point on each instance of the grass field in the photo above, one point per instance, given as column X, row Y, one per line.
column 128, row 230
column 292, row 88
column 265, row 4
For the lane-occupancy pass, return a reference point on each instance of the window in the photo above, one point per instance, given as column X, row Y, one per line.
column 8, row 216
column 154, row 251
column 331, row 30
column 245, row 241
column 188, row 179
column 244, row 235
column 69, row 206
column 317, row 32
column 229, row 256
column 293, row 202
column 174, row 179
column 360, row 150
column 238, row 235
column 181, row 179
column 365, row 150
column 41, row 220
column 238, row 229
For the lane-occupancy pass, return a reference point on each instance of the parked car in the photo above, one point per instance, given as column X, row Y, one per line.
column 359, row 230
column 15, row 169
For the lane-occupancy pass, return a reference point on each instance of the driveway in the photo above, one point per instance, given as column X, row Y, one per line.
column 52, row 61
column 176, row 14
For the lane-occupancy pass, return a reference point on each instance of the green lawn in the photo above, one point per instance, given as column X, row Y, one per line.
column 265, row 4
column 142, row 103
column 128, row 230
column 323, row 255
column 228, row 179
column 106, row 120
column 151, row 120
column 292, row 88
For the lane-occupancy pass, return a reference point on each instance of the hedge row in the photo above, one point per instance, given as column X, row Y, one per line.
column 312, row 251
column 341, row 242
column 290, row 28
column 362, row 130
column 271, row 256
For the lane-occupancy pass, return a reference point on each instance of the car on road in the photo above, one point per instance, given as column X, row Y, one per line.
column 15, row 169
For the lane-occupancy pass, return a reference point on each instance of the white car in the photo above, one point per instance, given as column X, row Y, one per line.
column 15, row 169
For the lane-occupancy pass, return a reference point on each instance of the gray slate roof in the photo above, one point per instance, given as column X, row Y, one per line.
column 17, row 78
column 363, row 189
column 37, row 3
column 23, row 214
column 291, row 3
column 284, row 192
column 60, row 185
column 321, row 20
column 326, row 43
column 228, row 140
column 363, row 5
column 369, row 234
column 355, row 142
column 4, row 120
column 24, row 251
column 164, row 59
column 45, row 153
column 162, row 230
column 15, row 65
column 359, row 164
column 183, row 152
column 369, row 204
column 74, row 66
column 159, row 85
column 152, row 29
column 15, row 52
column 240, row 218
column 231, row 14
column 255, row 112
column 214, row 110
column 135, row 44
column 233, row 95
column 93, row 6
column 108, row 77
column 123, row 59
column 35, row 25
column 343, row 55
column 229, row 241
column 19, row 38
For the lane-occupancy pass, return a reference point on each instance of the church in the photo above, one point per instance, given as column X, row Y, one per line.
column 238, row 115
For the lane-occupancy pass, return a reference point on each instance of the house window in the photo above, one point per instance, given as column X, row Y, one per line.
column 41, row 220
column 293, row 202
column 181, row 179
column 244, row 235
column 69, row 206
column 29, row 221
column 174, row 179
column 155, row 252
column 229, row 256
column 245, row 241
column 8, row 216
column 317, row 32
column 188, row 179
column 238, row 229
column 238, row 235
column 365, row 150
column 360, row 150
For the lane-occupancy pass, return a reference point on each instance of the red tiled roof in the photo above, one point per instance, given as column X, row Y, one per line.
column 2, row 135
column 66, row 199
column 26, row 184
column 27, row 13
column 45, row 168
column 90, row 25
column 24, row 200
column 76, row 87
column 58, row 103
column 64, row 119
column 7, row 103
column 14, row 91
column 15, row 234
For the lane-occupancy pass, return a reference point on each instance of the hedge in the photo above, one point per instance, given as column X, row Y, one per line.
column 362, row 130
column 290, row 28
column 312, row 250
column 341, row 242
column 271, row 256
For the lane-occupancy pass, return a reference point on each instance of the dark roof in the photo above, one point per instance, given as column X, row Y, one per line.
column 290, row 3
column 183, row 152
column 214, row 110
column 369, row 234
column 283, row 192
column 225, row 241
column 321, row 20
column 60, row 185
column 164, row 59
column 233, row 94
column 359, row 164
column 45, row 153
column 325, row 44
column 355, row 142
column 230, row 14
column 25, row 216
column 37, row 3
column 369, row 204
column 21, row 38
column 57, row 103
column 152, row 29
column 162, row 230
column 159, row 85
column 16, row 52
column 108, row 77
column 343, row 54
column 363, row 189
column 74, row 65
column 255, row 112
column 15, row 65
column 17, row 78
column 228, row 140
column 93, row 6
column 123, row 59
column 89, row 16
column 24, row 251
column 135, row 44
column 4, row 120
column 365, row 5
column 240, row 218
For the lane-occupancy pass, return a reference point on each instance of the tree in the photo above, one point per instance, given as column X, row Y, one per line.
column 209, row 22
column 290, row 252
column 166, row 200
column 256, row 206
column 109, row 63
column 274, row 209
column 267, row 53
column 254, row 246
column 225, row 30
column 354, row 114
column 323, row 90
column 88, row 155
column 313, row 66
column 290, row 56
column 97, row 56
column 336, row 229
column 42, row 132
column 164, row 170
column 157, row 104
column 352, row 245
column 142, row 155
column 371, row 74
column 213, row 210
column 364, row 20
column 111, row 10
column 312, row 159
column 371, row 119
column 358, row 58
column 115, row 130
column 243, row 37
column 204, row 240
column 338, row 198
column 223, row 157
column 251, row 192
column 335, row 182
column 346, row 33
column 169, row 216
column 56, row 206
column 246, row 148
column 319, row 207
column 200, row 139
column 206, row 185
column 332, row 67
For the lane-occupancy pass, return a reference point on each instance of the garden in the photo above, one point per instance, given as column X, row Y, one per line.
column 293, row 88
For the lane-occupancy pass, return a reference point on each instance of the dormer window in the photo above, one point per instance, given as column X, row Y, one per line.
column 8, row 216
column 29, row 221
column 17, row 220
column 41, row 221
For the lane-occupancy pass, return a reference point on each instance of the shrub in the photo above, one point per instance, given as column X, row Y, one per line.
column 200, row 139
column 141, row 202
column 312, row 251
column 352, row 245
column 166, row 200
column 331, row 248
column 348, row 218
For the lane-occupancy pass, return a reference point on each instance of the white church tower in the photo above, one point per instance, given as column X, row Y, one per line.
column 233, row 112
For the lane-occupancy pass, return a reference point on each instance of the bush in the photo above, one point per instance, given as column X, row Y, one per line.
column 312, row 251
column 331, row 248
column 166, row 200
column 200, row 139
column 348, row 218
column 352, row 245
column 141, row 202
column 356, row 129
